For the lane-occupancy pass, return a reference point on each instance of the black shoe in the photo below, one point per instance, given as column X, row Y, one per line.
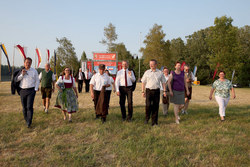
column 103, row 120
column 70, row 121
column 146, row 122
column 97, row 117
column 28, row 126
column 129, row 119
column 123, row 119
column 154, row 124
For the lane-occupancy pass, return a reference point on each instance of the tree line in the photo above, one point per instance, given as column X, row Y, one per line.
column 222, row 45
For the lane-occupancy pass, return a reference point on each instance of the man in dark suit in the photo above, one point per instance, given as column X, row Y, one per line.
column 80, row 77
column 88, row 76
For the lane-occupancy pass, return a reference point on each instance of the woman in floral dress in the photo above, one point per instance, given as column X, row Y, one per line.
column 222, row 88
column 67, row 95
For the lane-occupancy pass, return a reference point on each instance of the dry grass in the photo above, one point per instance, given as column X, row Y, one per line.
column 200, row 97
column 200, row 140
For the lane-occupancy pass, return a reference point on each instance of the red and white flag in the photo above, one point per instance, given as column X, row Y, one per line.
column 48, row 55
column 21, row 50
column 182, row 65
column 218, row 64
column 38, row 56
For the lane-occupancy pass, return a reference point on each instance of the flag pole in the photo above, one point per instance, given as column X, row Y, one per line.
column 0, row 64
column 35, row 57
column 13, row 66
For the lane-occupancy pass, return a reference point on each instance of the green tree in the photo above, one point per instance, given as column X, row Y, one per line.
column 244, row 60
column 197, row 53
column 177, row 49
column 156, row 47
column 223, row 45
column 111, row 36
column 66, row 56
column 84, row 56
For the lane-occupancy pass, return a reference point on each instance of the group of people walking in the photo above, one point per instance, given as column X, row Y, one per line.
column 175, row 87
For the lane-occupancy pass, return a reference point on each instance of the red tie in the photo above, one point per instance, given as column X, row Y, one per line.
column 126, row 83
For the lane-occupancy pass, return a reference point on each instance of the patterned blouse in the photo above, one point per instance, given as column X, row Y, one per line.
column 222, row 88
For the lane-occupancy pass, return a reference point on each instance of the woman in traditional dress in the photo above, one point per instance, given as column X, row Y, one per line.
column 67, row 95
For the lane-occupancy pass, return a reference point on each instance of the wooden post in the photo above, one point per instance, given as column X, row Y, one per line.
column 0, row 65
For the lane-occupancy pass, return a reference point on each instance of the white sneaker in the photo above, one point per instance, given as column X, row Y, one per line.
column 177, row 122
column 179, row 118
column 46, row 111
column 183, row 111
column 186, row 112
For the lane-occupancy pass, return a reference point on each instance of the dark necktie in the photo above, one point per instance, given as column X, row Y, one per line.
column 126, row 83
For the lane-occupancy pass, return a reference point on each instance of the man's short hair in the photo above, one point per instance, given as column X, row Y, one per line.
column 28, row 58
column 186, row 65
column 102, row 67
column 154, row 60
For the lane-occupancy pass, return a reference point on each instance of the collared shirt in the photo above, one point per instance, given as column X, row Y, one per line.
column 120, row 79
column 98, row 81
column 166, row 77
column 80, row 76
column 89, row 74
column 66, row 80
column 222, row 88
column 53, row 76
column 112, row 81
column 153, row 79
column 29, row 80
column 190, row 76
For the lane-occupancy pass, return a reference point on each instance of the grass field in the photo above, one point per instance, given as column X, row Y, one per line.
column 199, row 140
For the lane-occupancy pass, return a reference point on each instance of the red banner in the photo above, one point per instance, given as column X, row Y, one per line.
column 106, row 63
column 104, row 56
column 89, row 65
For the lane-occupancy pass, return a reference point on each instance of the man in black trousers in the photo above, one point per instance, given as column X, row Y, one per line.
column 29, row 84
column 80, row 77
column 123, row 82
column 152, row 80
column 88, row 76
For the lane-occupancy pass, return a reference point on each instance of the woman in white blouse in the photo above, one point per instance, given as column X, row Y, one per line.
column 67, row 95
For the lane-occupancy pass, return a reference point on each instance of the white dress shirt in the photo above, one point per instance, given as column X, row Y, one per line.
column 98, row 81
column 66, row 80
column 112, row 81
column 29, row 80
column 153, row 79
column 120, row 79
column 41, row 75
column 89, row 74
column 80, row 76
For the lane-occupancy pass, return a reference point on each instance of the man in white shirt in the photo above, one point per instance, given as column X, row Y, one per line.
column 88, row 76
column 29, row 85
column 165, row 100
column 123, row 82
column 80, row 77
column 152, row 80
column 190, row 78
column 97, row 82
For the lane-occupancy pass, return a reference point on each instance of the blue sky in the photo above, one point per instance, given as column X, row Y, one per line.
column 37, row 23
